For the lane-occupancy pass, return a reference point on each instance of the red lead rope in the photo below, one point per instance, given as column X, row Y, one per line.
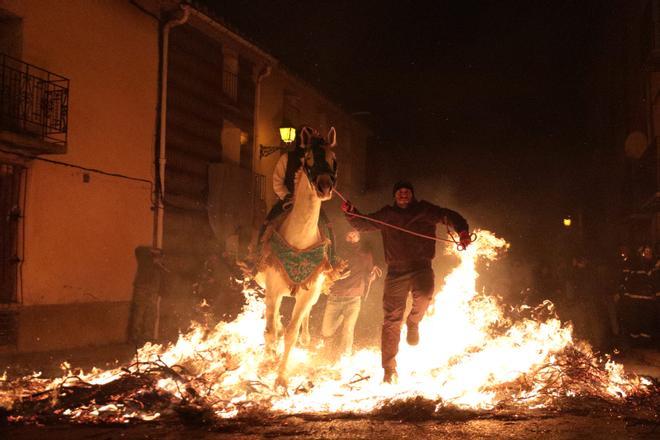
column 459, row 246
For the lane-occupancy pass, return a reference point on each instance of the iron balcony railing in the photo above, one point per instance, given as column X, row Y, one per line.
column 33, row 101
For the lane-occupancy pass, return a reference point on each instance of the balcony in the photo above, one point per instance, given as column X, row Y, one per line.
column 238, row 90
column 34, row 106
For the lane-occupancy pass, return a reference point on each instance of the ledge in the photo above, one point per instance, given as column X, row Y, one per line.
column 25, row 143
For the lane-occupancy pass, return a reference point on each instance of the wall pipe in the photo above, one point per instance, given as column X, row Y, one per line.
column 162, row 121
column 257, row 103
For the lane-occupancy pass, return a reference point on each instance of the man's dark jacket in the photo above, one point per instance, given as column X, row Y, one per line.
column 404, row 251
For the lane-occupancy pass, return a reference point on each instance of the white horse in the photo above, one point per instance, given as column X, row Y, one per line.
column 299, row 232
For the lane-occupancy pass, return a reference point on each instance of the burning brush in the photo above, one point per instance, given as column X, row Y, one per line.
column 478, row 360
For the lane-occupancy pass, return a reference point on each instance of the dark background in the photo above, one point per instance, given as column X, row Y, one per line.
column 482, row 104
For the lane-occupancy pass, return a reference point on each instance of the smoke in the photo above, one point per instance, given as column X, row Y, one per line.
column 511, row 277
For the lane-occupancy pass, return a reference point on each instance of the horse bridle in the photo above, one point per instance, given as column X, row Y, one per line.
column 320, row 165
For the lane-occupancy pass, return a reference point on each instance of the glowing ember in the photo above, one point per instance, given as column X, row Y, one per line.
column 470, row 356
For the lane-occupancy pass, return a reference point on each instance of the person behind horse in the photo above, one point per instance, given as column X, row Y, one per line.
column 408, row 259
column 283, row 183
column 344, row 301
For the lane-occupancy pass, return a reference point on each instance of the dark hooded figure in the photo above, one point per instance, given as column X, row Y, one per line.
column 146, row 288
column 408, row 259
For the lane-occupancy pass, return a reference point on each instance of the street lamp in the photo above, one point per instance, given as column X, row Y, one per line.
column 567, row 222
column 287, row 136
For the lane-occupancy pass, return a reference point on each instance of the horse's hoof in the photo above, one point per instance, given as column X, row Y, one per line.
column 282, row 382
column 270, row 356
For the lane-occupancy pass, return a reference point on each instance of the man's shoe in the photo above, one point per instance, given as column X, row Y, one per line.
column 412, row 336
column 389, row 375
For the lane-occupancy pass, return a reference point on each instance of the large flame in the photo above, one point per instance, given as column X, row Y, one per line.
column 470, row 356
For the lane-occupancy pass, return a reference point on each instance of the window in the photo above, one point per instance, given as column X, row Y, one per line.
column 11, row 34
column 230, row 74
column 230, row 85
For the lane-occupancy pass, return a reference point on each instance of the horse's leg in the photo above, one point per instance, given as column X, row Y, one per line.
column 305, row 337
column 278, row 318
column 272, row 320
column 274, row 294
column 305, row 299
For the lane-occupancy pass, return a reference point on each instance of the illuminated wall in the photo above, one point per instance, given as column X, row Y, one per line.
column 81, row 228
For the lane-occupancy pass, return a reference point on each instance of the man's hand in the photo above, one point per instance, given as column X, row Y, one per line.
column 464, row 239
column 347, row 207
column 376, row 273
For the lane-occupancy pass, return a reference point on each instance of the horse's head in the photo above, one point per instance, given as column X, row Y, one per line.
column 319, row 163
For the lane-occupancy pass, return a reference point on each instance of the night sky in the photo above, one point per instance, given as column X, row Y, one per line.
column 485, row 97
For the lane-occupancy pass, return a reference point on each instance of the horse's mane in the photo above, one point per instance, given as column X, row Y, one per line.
column 296, row 179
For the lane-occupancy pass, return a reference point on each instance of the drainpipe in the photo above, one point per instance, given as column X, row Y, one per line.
column 255, row 155
column 161, row 144
column 257, row 103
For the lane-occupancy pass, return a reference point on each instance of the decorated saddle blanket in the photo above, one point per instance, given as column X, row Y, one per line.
column 298, row 266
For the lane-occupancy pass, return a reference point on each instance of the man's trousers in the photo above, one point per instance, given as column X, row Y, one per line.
column 397, row 286
column 341, row 311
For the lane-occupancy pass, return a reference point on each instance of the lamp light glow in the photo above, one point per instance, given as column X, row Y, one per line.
column 288, row 134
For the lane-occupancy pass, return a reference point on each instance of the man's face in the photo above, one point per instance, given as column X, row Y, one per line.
column 353, row 237
column 403, row 197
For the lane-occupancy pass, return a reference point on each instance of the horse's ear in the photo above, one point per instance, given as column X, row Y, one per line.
column 306, row 135
column 332, row 137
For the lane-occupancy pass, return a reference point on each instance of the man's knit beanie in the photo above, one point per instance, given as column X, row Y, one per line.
column 403, row 184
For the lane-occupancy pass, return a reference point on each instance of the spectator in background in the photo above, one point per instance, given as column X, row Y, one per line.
column 638, row 309
column 146, row 291
column 616, row 281
column 580, row 299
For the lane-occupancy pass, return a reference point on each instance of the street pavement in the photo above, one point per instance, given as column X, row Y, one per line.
column 106, row 356
column 643, row 362
column 580, row 425
column 550, row 427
